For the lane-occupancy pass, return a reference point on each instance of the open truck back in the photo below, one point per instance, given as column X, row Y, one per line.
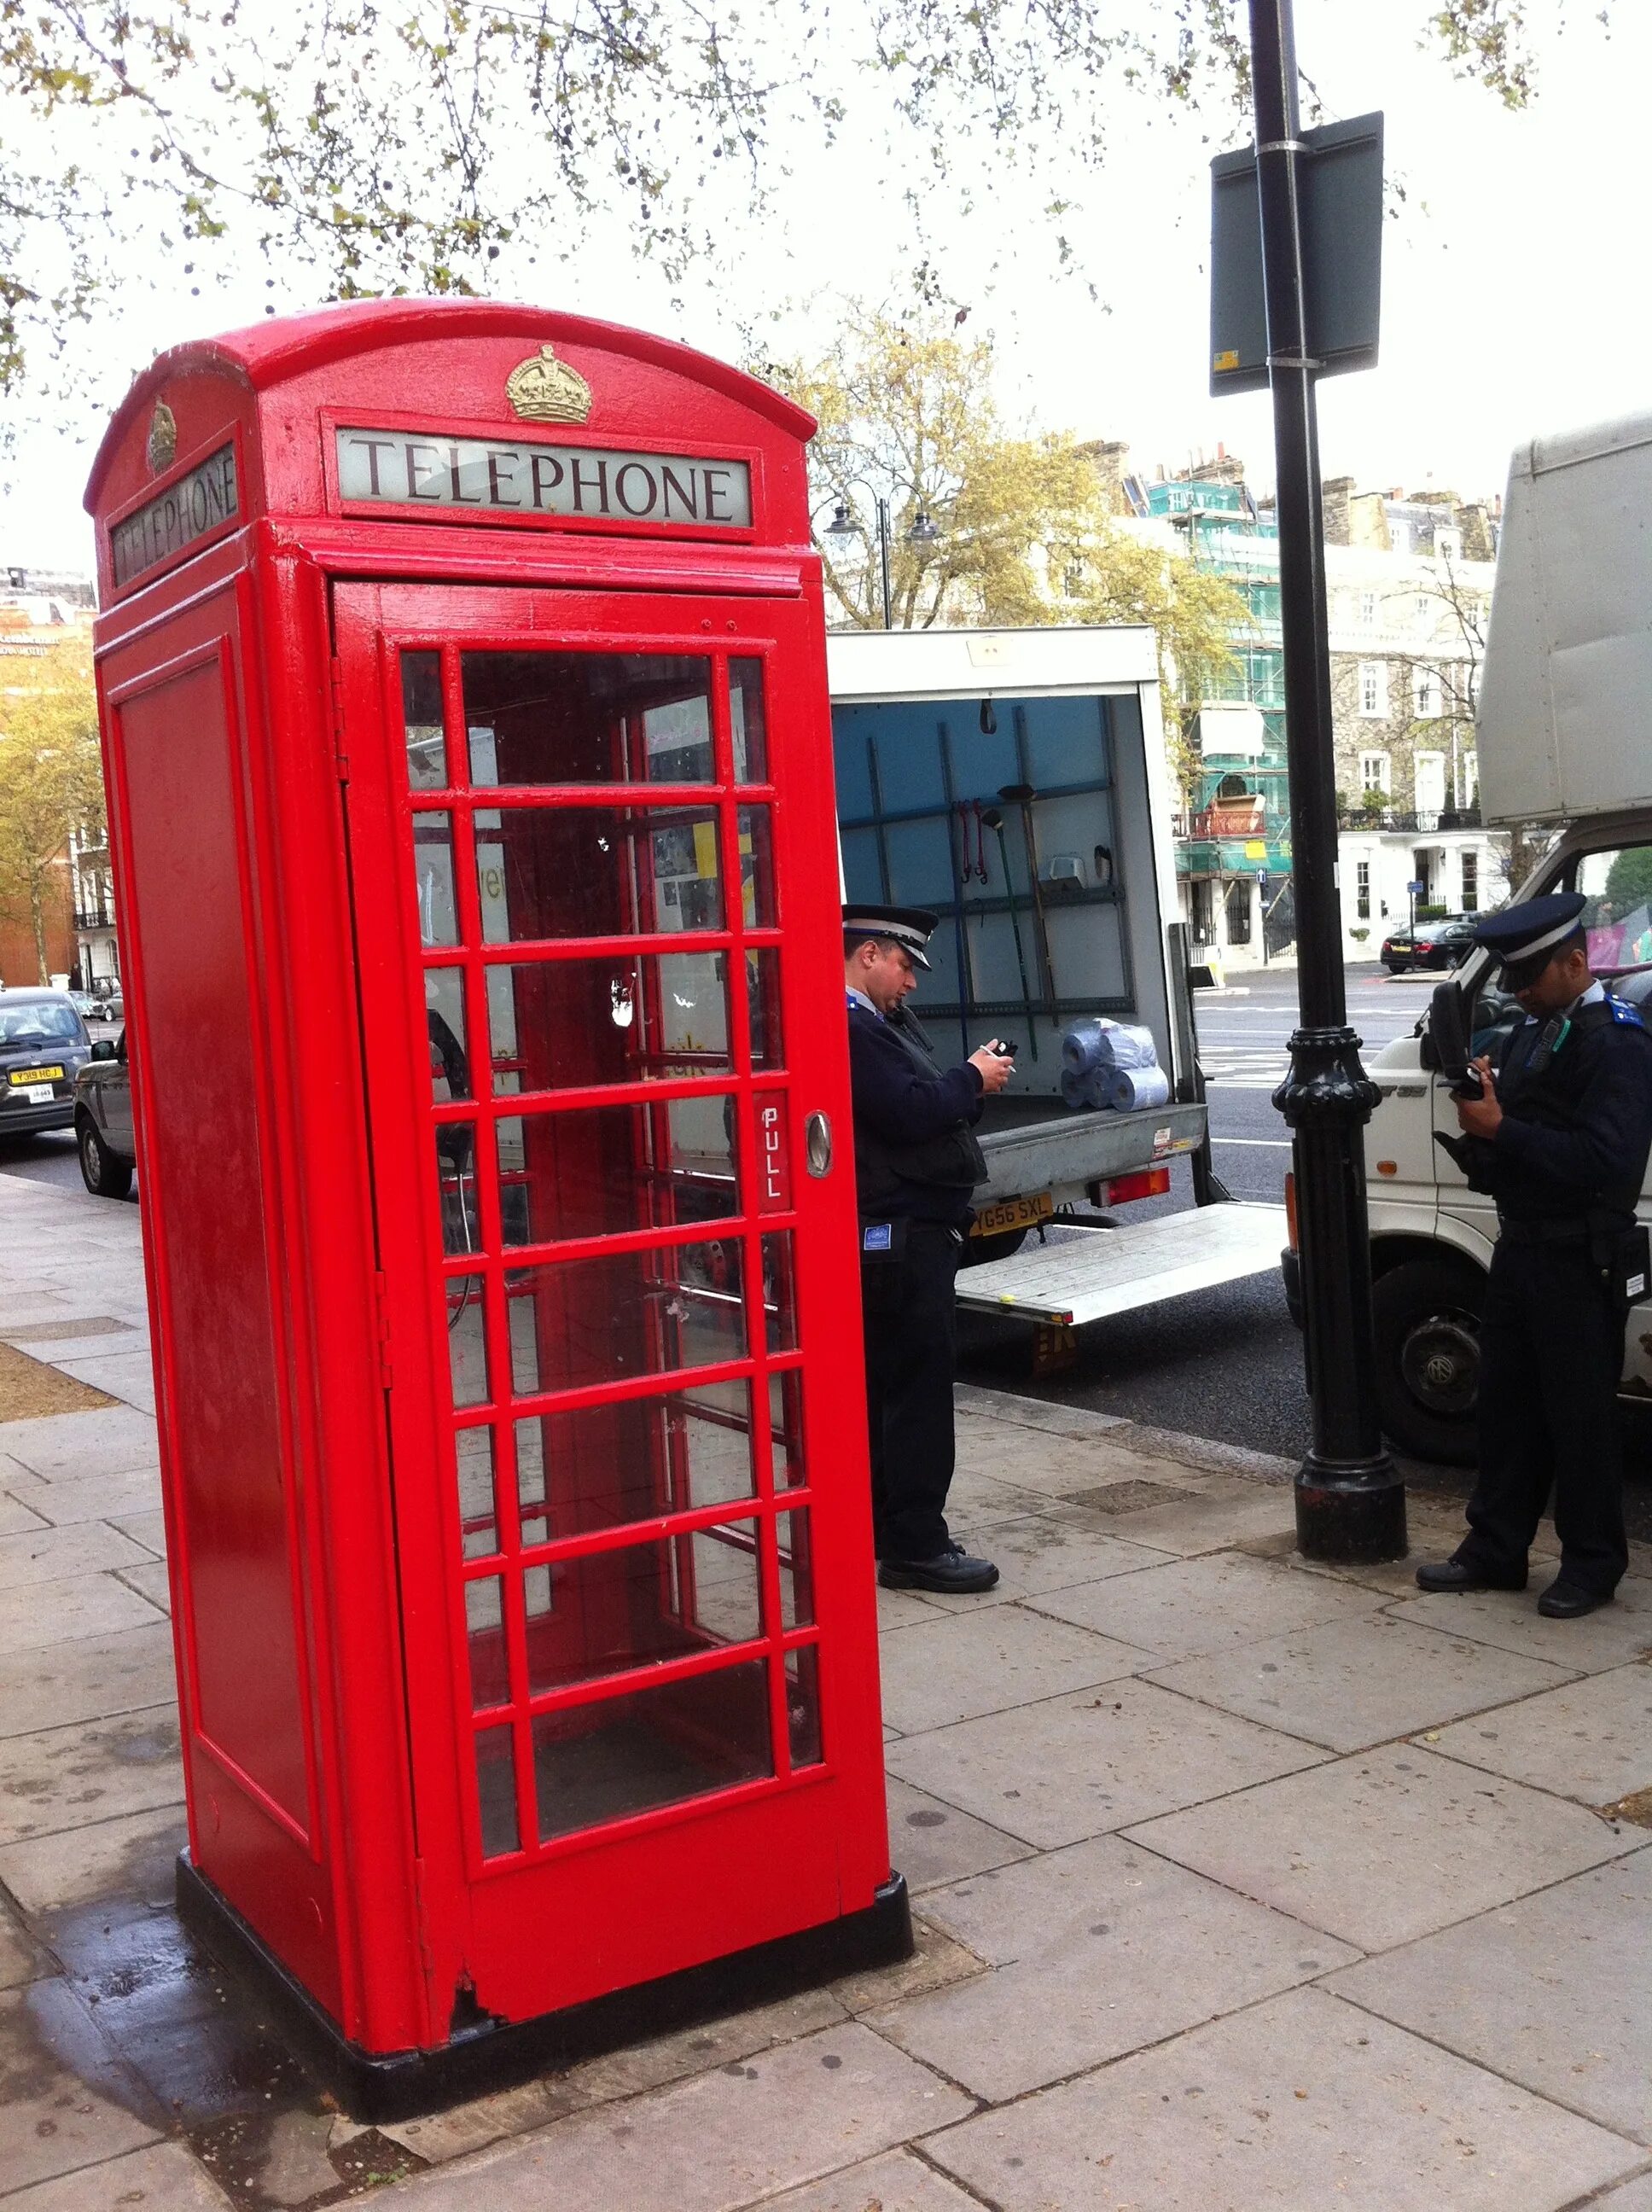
column 1013, row 782
column 1564, row 734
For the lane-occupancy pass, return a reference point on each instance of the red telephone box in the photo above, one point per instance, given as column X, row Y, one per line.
column 465, row 730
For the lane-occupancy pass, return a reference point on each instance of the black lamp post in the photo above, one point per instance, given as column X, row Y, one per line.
column 844, row 523
column 1351, row 1501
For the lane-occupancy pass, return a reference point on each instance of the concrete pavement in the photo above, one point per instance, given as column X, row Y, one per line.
column 1240, row 1883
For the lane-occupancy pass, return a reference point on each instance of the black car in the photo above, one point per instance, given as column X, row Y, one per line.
column 43, row 1047
column 1442, row 943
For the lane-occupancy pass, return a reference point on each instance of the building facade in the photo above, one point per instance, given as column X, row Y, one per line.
column 1410, row 586
column 41, row 614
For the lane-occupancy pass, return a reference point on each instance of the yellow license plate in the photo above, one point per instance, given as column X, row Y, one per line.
column 1013, row 1213
column 37, row 1075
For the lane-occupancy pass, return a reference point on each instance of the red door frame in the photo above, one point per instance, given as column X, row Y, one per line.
column 554, row 1924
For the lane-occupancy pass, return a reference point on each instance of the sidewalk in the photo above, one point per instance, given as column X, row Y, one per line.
column 1240, row 1884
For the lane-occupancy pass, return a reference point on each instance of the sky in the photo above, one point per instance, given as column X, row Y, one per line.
column 1514, row 296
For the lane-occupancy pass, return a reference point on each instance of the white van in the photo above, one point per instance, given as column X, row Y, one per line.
column 1564, row 736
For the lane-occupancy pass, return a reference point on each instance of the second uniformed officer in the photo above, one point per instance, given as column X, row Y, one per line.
column 1558, row 1136
column 916, row 1162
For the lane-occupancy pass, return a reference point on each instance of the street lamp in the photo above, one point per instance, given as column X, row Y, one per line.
column 846, row 523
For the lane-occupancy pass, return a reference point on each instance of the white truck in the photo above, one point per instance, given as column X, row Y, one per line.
column 1013, row 782
column 1565, row 739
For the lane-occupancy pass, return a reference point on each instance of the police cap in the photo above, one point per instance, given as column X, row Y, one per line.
column 1525, row 938
column 908, row 927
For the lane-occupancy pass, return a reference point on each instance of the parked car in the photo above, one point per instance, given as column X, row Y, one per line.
column 91, row 1008
column 43, row 1048
column 1442, row 944
column 103, row 1121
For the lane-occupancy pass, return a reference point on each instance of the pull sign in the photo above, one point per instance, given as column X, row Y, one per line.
column 774, row 1168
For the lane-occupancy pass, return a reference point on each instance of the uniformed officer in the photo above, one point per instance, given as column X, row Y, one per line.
column 916, row 1162
column 1558, row 1136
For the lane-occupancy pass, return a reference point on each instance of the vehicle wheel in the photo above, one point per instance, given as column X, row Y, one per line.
column 1427, row 1314
column 978, row 1251
column 105, row 1174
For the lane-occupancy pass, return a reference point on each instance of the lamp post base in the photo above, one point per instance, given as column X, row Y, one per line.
column 1350, row 1516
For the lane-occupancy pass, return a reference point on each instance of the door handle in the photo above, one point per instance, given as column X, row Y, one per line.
column 818, row 1144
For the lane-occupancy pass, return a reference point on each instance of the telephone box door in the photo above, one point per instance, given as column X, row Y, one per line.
column 595, row 890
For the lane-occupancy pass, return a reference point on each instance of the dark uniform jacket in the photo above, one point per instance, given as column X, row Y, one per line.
column 1576, row 1122
column 915, row 1153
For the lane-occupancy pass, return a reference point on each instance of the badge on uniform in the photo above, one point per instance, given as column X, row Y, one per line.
column 877, row 1237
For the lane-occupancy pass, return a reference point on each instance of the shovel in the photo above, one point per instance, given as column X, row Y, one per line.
column 992, row 819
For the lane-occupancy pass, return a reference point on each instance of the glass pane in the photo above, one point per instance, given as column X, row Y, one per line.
column 746, row 679
column 538, row 718
column 461, row 1226
column 580, row 1322
column 780, row 1296
column 603, row 1171
column 763, row 975
column 756, row 867
column 785, row 1430
column 484, row 1628
column 606, row 1611
column 443, row 1018
column 427, row 754
column 606, row 1465
column 630, row 1017
column 433, row 872
column 551, row 872
column 652, row 1746
column 802, row 1705
column 478, row 1524
column 797, row 1570
column 467, row 1350
column 496, row 1788
column 1617, row 885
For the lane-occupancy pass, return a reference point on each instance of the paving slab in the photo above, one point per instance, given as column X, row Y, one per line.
column 111, row 1441
column 128, row 1376
column 1212, row 1521
column 1301, row 2103
column 931, row 1842
column 1359, row 1681
column 1618, row 1634
column 1590, row 1740
column 152, row 1581
column 960, row 1664
column 162, row 2178
column 135, row 1856
column 1041, row 1553
column 1550, row 1991
column 1056, row 1773
column 437, row 2137
column 50, row 1555
column 1387, row 1845
column 15, row 1518
column 1629, row 2196
column 148, row 1528
column 697, row 2050
column 41, row 1616
column 90, row 1679
column 67, row 1498
column 896, row 2183
column 899, row 1609
column 1016, row 1409
column 1099, row 1950
column 66, row 1778
column 977, row 1501
column 1205, row 1604
column 721, row 2141
column 938, row 1961
column 65, row 2101
column 21, row 1960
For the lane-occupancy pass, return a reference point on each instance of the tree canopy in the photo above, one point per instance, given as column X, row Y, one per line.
column 50, row 779
column 987, row 523
column 405, row 148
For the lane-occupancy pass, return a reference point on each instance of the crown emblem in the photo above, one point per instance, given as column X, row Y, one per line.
column 543, row 389
column 162, row 448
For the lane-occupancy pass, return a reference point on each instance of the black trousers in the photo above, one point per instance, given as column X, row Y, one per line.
column 910, row 1318
column 1552, row 1349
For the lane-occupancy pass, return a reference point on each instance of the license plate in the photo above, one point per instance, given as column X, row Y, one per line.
column 35, row 1094
column 20, row 1075
column 1013, row 1213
